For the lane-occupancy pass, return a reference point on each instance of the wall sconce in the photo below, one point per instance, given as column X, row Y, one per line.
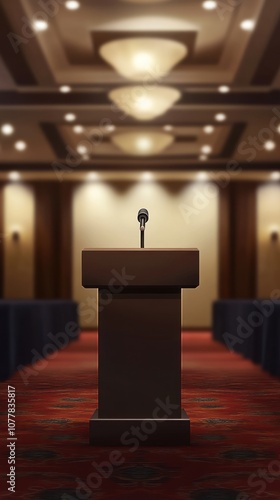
column 15, row 233
column 274, row 234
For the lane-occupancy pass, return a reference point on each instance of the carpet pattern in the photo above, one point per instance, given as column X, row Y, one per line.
column 234, row 409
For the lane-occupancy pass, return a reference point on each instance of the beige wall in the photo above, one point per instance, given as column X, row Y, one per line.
column 268, row 217
column 104, row 215
column 19, row 255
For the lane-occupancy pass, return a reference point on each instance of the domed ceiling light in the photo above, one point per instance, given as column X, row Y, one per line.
column 145, row 59
column 142, row 142
column 144, row 103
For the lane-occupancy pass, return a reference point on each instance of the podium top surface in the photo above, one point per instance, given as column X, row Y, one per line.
column 132, row 268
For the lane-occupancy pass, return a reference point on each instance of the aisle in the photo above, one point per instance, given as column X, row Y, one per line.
column 235, row 417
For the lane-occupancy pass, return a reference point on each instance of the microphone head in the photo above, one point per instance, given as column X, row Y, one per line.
column 143, row 214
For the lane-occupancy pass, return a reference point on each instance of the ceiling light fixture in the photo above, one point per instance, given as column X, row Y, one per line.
column 14, row 176
column 203, row 157
column 72, row 4
column 40, row 25
column 78, row 129
column 141, row 142
column 220, row 117
column 202, row 176
column 82, row 149
column 208, row 129
column 209, row 5
column 206, row 149
column 92, row 176
column 247, row 25
column 20, row 145
column 70, row 117
column 223, row 89
column 269, row 145
column 7, row 129
column 275, row 176
column 144, row 104
column 143, row 58
column 65, row 89
column 168, row 128
column 110, row 128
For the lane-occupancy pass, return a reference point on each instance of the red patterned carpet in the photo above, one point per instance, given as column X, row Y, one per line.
column 235, row 425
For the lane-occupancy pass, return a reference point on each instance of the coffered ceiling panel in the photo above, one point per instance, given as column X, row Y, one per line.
column 229, row 80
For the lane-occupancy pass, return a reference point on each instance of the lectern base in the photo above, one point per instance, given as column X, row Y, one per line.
column 133, row 432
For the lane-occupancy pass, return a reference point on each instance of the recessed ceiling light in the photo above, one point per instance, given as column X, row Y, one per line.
column 203, row 157
column 147, row 176
column 92, row 176
column 20, row 145
column 7, row 129
column 224, row 89
column 202, row 176
column 269, row 145
column 220, row 117
column 275, row 176
column 14, row 176
column 70, row 117
column 72, row 4
column 65, row 89
column 209, row 5
column 278, row 129
column 78, row 129
column 110, row 128
column 40, row 25
column 247, row 25
column 206, row 149
column 82, row 149
column 208, row 129
column 168, row 128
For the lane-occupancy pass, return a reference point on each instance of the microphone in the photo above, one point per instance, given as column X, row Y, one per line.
column 143, row 217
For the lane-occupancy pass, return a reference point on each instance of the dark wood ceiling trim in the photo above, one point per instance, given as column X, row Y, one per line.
column 269, row 63
column 54, row 138
column 100, row 98
column 233, row 139
column 126, row 163
column 15, row 62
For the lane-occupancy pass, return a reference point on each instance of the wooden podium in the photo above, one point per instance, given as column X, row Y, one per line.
column 139, row 343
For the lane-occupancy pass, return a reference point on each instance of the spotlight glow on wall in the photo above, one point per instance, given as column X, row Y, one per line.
column 202, row 176
column 143, row 58
column 144, row 104
column 141, row 142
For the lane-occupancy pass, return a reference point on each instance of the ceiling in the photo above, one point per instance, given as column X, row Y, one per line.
column 34, row 65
